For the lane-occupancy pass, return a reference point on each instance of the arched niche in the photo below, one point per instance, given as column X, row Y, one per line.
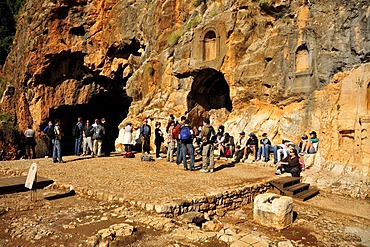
column 302, row 59
column 209, row 46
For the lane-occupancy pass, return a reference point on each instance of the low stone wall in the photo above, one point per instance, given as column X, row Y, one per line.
column 217, row 204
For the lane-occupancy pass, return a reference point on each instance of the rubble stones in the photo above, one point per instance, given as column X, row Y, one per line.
column 192, row 217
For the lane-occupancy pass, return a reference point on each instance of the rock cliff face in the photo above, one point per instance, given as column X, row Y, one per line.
column 281, row 67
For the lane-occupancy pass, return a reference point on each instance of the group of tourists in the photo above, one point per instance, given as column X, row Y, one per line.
column 90, row 139
column 206, row 142
column 54, row 135
column 93, row 139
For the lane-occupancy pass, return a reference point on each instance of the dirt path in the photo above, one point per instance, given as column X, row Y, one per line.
column 61, row 219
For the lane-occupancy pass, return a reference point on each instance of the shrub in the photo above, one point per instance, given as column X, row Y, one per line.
column 196, row 3
column 267, row 3
column 173, row 38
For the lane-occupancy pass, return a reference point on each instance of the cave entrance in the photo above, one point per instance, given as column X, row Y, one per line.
column 209, row 91
column 112, row 106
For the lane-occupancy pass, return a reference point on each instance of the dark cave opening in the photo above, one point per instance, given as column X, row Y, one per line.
column 126, row 50
column 209, row 91
column 113, row 106
column 111, row 102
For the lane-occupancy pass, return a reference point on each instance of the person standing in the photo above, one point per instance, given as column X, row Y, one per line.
column 77, row 132
column 30, row 142
column 98, row 135
column 107, row 137
column 207, row 134
column 171, row 141
column 159, row 139
column 87, row 138
column 187, row 145
column 57, row 143
column 145, row 133
column 50, row 134
column 127, row 137
column 176, row 134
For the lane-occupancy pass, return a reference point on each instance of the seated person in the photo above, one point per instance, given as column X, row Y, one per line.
column 264, row 148
column 219, row 144
column 229, row 145
column 310, row 146
column 281, row 149
column 304, row 140
column 251, row 146
column 240, row 148
column 290, row 164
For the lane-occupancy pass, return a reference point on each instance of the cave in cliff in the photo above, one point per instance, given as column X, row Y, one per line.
column 209, row 91
column 111, row 105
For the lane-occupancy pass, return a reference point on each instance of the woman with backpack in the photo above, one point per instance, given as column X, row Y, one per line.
column 159, row 139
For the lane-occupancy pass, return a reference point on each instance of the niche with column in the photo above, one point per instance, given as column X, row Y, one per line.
column 302, row 59
column 209, row 46
column 302, row 69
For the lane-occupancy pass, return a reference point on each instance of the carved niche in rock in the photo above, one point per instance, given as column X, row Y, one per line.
column 302, row 59
column 302, row 69
column 209, row 46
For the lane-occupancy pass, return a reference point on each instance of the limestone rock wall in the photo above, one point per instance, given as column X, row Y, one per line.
column 281, row 67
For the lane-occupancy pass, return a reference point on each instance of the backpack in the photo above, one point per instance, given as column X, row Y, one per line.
column 50, row 132
column 75, row 131
column 129, row 155
column 211, row 136
column 176, row 131
column 185, row 133
column 147, row 157
column 98, row 133
column 146, row 130
column 227, row 153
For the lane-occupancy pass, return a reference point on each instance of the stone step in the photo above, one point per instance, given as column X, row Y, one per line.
column 283, row 182
column 296, row 188
column 306, row 194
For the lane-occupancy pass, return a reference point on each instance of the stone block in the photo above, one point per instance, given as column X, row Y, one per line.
column 192, row 217
column 273, row 211
column 149, row 207
column 163, row 208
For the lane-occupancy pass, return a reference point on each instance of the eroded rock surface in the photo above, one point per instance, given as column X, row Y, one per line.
column 284, row 68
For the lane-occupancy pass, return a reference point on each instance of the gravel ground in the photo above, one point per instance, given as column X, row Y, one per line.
column 325, row 220
column 132, row 179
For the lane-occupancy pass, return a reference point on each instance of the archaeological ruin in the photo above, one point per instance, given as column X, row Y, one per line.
column 281, row 67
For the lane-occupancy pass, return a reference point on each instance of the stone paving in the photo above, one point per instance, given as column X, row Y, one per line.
column 145, row 184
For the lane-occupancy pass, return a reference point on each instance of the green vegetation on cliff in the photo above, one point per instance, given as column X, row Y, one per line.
column 8, row 14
